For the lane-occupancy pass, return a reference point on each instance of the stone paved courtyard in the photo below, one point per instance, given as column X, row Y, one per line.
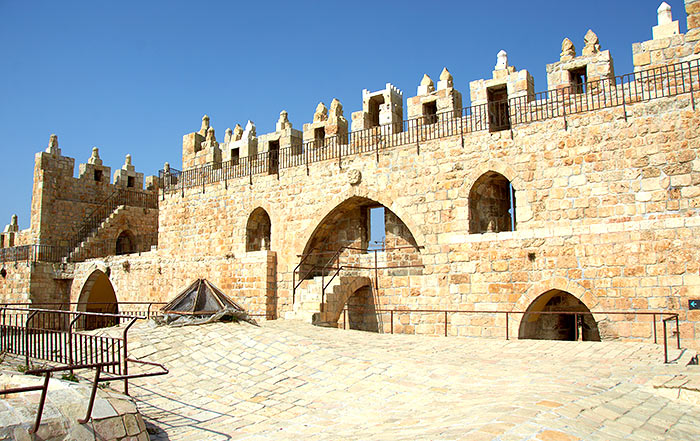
column 288, row 380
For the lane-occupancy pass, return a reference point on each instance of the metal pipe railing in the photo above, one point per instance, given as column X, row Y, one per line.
column 578, row 315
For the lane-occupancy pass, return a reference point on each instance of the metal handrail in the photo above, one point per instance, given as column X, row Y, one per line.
column 654, row 314
column 610, row 92
column 98, row 370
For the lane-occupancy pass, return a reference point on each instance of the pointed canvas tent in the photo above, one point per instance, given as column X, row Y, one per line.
column 202, row 302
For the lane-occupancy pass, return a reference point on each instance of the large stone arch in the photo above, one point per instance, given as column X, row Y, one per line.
column 357, row 191
column 536, row 292
column 558, row 283
column 522, row 194
column 97, row 294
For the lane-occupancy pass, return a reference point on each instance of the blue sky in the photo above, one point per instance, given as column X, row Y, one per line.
column 133, row 77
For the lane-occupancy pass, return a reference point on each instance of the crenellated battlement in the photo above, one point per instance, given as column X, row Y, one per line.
column 60, row 201
column 509, row 96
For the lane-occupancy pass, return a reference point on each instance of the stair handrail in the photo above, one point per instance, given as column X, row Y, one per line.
column 117, row 198
column 296, row 284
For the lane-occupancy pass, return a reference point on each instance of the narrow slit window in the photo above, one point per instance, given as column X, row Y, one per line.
column 319, row 136
column 130, row 182
column 98, row 175
column 235, row 155
column 376, row 228
column 430, row 112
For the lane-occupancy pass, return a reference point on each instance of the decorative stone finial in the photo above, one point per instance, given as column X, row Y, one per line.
column 13, row 227
column 166, row 167
column 237, row 133
column 249, row 132
column 127, row 164
column 664, row 14
column 446, row 80
column 568, row 51
column 211, row 139
column 501, row 60
column 336, row 109
column 95, row 158
column 283, row 122
column 227, row 136
column 53, row 145
column 321, row 113
column 205, row 125
column 592, row 46
column 426, row 85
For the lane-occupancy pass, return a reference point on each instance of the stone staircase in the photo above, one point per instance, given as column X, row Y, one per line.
column 308, row 306
column 84, row 248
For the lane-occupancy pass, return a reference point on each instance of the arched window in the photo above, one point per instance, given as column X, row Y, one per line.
column 491, row 204
column 258, row 231
column 126, row 243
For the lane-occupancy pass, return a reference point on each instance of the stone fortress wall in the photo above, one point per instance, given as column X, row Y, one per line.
column 527, row 201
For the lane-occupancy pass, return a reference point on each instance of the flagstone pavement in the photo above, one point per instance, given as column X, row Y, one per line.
column 290, row 380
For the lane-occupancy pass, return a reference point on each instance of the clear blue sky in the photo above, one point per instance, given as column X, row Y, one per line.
column 133, row 77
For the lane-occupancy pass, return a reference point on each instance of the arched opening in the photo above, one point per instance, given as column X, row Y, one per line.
column 359, row 224
column 362, row 311
column 258, row 231
column 553, row 326
column 126, row 243
column 491, row 204
column 98, row 295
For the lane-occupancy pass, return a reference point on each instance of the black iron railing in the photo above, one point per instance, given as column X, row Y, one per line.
column 623, row 90
column 56, row 253
column 119, row 197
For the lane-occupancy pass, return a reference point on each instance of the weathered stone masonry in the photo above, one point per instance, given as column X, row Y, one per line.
column 596, row 210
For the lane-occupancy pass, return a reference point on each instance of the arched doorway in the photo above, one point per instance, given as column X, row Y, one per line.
column 98, row 295
column 258, row 231
column 553, row 326
column 126, row 243
column 491, row 204
column 361, row 311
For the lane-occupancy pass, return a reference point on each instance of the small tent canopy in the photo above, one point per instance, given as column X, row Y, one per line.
column 202, row 298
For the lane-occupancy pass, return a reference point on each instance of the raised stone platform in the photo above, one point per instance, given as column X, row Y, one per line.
column 114, row 416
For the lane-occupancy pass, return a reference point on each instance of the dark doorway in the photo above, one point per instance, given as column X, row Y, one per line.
column 274, row 157
column 499, row 111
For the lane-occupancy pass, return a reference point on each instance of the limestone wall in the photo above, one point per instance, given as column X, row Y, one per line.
column 576, row 185
column 159, row 277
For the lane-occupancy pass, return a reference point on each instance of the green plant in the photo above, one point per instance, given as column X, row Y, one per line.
column 70, row 377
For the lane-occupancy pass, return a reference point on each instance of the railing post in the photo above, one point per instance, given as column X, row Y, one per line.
column 576, row 324
column 42, row 400
column 391, row 320
column 653, row 325
column 345, row 316
column 507, row 330
column 26, row 337
column 678, row 333
column 665, row 343
column 92, row 394
column 126, row 364
column 445, row 323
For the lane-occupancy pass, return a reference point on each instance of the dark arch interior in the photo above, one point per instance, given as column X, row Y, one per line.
column 558, row 326
column 361, row 311
column 491, row 204
column 98, row 296
column 126, row 243
column 258, row 231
